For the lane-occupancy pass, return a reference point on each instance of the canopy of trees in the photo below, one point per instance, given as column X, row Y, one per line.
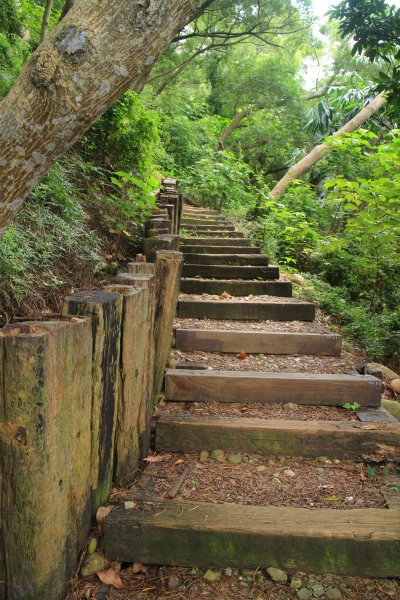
column 229, row 109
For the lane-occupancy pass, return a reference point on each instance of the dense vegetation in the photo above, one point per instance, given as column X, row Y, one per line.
column 227, row 111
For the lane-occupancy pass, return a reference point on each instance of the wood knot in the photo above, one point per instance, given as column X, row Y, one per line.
column 44, row 69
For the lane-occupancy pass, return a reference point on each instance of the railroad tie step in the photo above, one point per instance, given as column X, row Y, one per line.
column 258, row 342
column 310, row 389
column 210, row 233
column 231, row 271
column 237, row 259
column 360, row 542
column 235, row 287
column 216, row 241
column 247, row 311
column 350, row 440
column 207, row 226
column 198, row 250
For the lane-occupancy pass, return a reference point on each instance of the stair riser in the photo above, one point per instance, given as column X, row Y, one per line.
column 271, row 388
column 363, row 543
column 236, row 288
column 211, row 233
column 254, row 342
column 227, row 259
column 215, row 241
column 280, row 438
column 247, row 311
column 189, row 250
column 230, row 272
column 206, row 227
column 203, row 221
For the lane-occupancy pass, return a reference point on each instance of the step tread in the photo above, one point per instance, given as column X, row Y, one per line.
column 280, row 309
column 204, row 534
column 227, row 272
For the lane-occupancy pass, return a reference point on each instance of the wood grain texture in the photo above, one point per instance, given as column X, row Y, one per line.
column 231, row 271
column 253, row 342
column 225, row 259
column 352, row 440
column 45, row 461
column 105, row 310
column 207, row 227
column 248, row 311
column 358, row 542
column 255, row 386
column 141, row 268
column 236, row 287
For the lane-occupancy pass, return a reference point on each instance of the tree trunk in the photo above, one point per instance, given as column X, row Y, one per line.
column 305, row 164
column 234, row 124
column 46, row 19
column 93, row 56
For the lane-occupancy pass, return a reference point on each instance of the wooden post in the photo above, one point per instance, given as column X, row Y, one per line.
column 105, row 309
column 168, row 274
column 146, row 407
column 45, row 450
column 141, row 268
column 132, row 395
column 152, row 245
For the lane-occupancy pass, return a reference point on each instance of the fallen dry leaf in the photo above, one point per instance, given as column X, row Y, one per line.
column 139, row 568
column 226, row 295
column 110, row 577
column 101, row 515
column 180, row 461
column 242, row 355
column 158, row 458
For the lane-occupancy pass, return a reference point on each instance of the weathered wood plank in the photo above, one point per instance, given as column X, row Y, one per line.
column 45, row 454
column 253, row 342
column 339, row 439
column 359, row 542
column 214, row 233
column 201, row 220
column 191, row 250
column 247, row 311
column 207, row 226
column 255, row 386
column 226, row 259
column 105, row 310
column 168, row 273
column 236, row 287
column 187, row 210
column 231, row 271
column 141, row 268
column 132, row 394
column 215, row 241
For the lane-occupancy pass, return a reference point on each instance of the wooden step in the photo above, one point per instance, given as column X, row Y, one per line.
column 230, row 271
column 207, row 227
column 201, row 220
column 218, row 241
column 189, row 250
column 352, row 440
column 236, row 287
column 226, row 259
column 358, row 542
column 184, row 385
column 246, row 311
column 200, row 211
column 253, row 342
column 212, row 233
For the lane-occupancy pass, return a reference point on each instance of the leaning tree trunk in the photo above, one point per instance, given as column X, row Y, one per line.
column 94, row 55
column 236, row 121
column 305, row 164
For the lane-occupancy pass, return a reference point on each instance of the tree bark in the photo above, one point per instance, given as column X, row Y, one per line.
column 46, row 19
column 93, row 56
column 305, row 164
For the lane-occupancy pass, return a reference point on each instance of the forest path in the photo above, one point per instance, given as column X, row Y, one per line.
column 257, row 388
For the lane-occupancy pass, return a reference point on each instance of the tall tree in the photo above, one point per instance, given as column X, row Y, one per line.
column 96, row 53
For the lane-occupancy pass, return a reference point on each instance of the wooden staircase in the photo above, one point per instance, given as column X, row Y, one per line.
column 158, row 530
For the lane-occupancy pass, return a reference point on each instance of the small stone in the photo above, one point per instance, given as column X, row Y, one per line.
column 322, row 458
column 218, row 455
column 211, row 575
column 296, row 583
column 328, row 461
column 318, row 590
column 349, row 581
column 291, row 406
column 228, row 572
column 261, row 469
column 204, row 454
column 289, row 473
column 92, row 564
column 128, row 505
column 320, row 470
column 336, row 461
column 333, row 594
column 277, row 575
column 173, row 582
column 234, row 459
column 304, row 594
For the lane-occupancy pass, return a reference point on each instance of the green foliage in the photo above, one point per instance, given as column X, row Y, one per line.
column 351, row 406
